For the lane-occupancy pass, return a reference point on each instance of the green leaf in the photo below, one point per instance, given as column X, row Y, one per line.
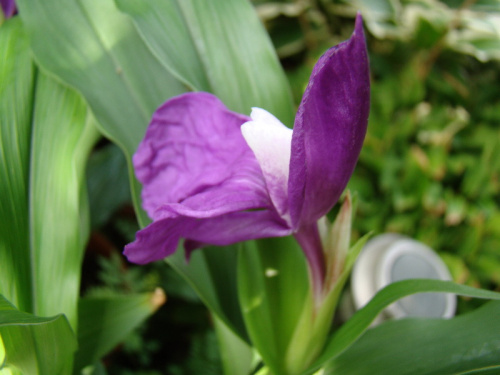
column 464, row 344
column 216, row 46
column 164, row 29
column 236, row 354
column 17, row 80
column 351, row 331
column 212, row 273
column 46, row 134
column 95, row 48
column 107, row 182
column 380, row 16
column 493, row 370
column 35, row 345
column 106, row 321
column 479, row 35
column 95, row 369
column 62, row 135
column 273, row 287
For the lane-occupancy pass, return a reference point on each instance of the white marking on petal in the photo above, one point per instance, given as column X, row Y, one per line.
column 271, row 142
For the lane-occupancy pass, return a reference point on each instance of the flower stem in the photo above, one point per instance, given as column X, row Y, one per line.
column 309, row 239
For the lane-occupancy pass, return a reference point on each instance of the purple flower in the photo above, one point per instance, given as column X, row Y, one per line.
column 8, row 7
column 212, row 176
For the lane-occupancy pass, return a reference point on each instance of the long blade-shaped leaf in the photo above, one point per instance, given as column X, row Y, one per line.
column 95, row 48
column 216, row 46
column 106, row 321
column 273, row 289
column 212, row 274
column 36, row 345
column 236, row 355
column 351, row 331
column 63, row 134
column 44, row 205
column 427, row 346
column 156, row 20
column 45, row 135
column 17, row 77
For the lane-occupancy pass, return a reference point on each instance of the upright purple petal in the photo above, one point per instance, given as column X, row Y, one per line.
column 8, row 7
column 329, row 129
column 201, row 181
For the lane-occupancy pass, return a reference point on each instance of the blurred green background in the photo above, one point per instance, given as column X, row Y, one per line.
column 429, row 168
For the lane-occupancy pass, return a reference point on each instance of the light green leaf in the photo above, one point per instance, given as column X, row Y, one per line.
column 165, row 30
column 493, row 370
column 465, row 344
column 95, row 48
column 273, row 287
column 63, row 133
column 35, row 345
column 380, row 16
column 479, row 35
column 106, row 321
column 353, row 329
column 17, row 79
column 46, row 134
column 236, row 354
column 216, row 46
column 486, row 6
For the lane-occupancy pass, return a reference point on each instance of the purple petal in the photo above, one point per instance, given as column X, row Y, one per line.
column 329, row 129
column 201, row 181
column 160, row 239
column 193, row 154
column 8, row 7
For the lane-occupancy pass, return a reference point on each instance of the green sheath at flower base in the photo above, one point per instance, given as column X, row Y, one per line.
column 316, row 319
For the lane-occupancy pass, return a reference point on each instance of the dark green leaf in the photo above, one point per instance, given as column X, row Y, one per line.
column 107, row 183
column 465, row 344
column 351, row 331
column 212, row 274
column 106, row 321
